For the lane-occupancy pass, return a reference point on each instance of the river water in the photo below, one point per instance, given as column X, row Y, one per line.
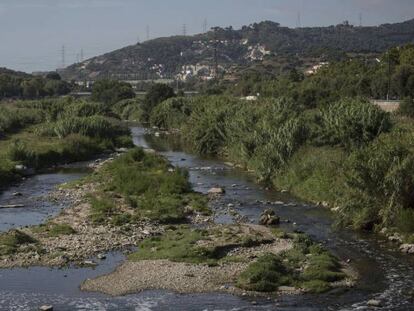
column 385, row 273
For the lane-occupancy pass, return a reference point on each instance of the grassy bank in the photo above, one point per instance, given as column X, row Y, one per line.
column 349, row 155
column 44, row 133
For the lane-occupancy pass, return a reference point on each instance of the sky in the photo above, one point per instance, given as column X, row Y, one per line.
column 33, row 32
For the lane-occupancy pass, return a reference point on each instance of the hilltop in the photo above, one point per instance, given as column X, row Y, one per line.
column 268, row 44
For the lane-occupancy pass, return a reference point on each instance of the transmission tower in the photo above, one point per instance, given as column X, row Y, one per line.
column 298, row 21
column 360, row 19
column 205, row 25
column 81, row 55
column 148, row 32
column 63, row 54
column 184, row 30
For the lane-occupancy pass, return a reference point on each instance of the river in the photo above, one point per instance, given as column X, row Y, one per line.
column 385, row 273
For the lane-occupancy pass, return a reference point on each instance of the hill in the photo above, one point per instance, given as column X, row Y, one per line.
column 266, row 43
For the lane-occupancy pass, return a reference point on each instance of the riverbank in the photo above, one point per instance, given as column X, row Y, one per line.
column 176, row 235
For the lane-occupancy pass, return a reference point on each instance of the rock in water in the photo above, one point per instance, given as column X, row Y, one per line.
column 269, row 218
column 216, row 191
column 46, row 308
column 407, row 248
column 374, row 303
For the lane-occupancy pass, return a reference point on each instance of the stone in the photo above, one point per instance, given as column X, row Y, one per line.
column 374, row 303
column 101, row 256
column 395, row 238
column 46, row 308
column 17, row 194
column 407, row 248
column 216, row 190
column 269, row 218
column 121, row 150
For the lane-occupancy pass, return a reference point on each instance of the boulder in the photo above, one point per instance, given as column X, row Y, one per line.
column 46, row 308
column 407, row 248
column 269, row 218
column 216, row 190
column 374, row 303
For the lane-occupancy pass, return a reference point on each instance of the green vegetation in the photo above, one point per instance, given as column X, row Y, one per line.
column 52, row 229
column 12, row 240
column 151, row 188
column 306, row 266
column 177, row 244
column 111, row 91
column 21, row 85
column 47, row 132
column 317, row 136
column 155, row 95
column 129, row 109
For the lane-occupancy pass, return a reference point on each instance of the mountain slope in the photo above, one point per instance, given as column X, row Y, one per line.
column 195, row 55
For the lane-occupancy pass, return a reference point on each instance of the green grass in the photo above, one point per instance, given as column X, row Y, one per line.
column 177, row 244
column 54, row 229
column 10, row 241
column 102, row 209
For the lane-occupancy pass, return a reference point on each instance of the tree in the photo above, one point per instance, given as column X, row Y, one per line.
column 155, row 95
column 53, row 75
column 111, row 91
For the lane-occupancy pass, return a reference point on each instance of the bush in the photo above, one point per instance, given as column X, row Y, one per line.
column 407, row 107
column 353, row 123
column 111, row 91
column 155, row 95
column 10, row 241
column 94, row 126
column 379, row 180
column 264, row 275
column 172, row 113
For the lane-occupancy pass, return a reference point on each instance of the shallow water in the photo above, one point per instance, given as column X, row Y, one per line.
column 385, row 273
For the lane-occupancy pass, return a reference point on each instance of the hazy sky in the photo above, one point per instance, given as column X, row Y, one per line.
column 32, row 32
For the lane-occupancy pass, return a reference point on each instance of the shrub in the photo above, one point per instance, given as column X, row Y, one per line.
column 172, row 113
column 407, row 107
column 353, row 123
column 10, row 241
column 264, row 275
column 155, row 95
